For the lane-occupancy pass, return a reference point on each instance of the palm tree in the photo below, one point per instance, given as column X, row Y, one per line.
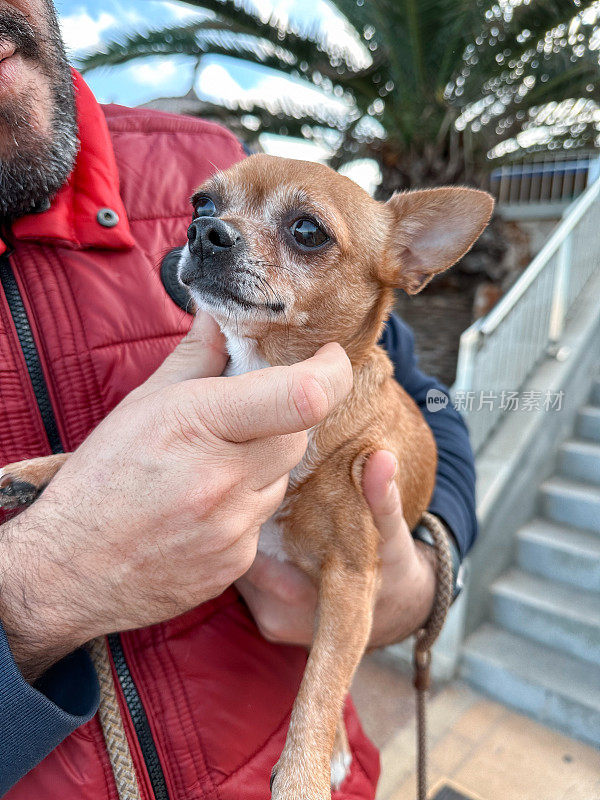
column 441, row 85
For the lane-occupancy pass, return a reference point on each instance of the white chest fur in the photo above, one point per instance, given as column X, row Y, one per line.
column 270, row 541
column 243, row 356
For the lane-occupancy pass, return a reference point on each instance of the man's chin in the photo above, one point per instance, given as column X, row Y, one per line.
column 31, row 176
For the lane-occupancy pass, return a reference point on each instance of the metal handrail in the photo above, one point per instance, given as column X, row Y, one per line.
column 571, row 218
column 528, row 322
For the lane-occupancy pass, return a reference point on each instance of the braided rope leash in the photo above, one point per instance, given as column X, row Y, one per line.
column 111, row 722
column 425, row 638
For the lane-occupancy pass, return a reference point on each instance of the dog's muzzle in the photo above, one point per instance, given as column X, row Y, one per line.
column 210, row 236
column 214, row 245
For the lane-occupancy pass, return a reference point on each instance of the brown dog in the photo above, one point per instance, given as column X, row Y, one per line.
column 287, row 256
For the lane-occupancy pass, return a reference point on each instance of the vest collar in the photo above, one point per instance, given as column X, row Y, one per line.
column 77, row 212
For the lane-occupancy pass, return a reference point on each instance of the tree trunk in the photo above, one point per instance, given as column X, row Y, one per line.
column 424, row 164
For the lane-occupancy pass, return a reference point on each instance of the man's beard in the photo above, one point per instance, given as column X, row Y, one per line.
column 38, row 162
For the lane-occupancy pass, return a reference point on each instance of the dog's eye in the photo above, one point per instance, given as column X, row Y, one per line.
column 205, row 207
column 308, row 233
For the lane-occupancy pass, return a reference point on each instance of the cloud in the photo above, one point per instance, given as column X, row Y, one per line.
column 217, row 83
column 365, row 172
column 268, row 89
column 290, row 147
column 81, row 31
column 153, row 74
column 183, row 13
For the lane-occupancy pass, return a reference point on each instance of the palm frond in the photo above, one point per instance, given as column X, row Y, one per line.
column 435, row 80
column 305, row 43
column 157, row 41
column 506, row 100
column 540, row 29
column 253, row 119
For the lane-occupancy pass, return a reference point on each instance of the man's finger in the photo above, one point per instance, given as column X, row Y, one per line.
column 273, row 457
column 276, row 400
column 200, row 354
column 381, row 493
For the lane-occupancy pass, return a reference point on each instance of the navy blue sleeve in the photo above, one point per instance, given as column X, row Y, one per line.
column 454, row 494
column 33, row 721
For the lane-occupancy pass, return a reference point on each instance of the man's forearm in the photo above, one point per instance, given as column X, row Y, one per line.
column 48, row 687
column 34, row 594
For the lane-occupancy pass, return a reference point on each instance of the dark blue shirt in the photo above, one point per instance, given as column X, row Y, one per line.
column 35, row 719
column 454, row 494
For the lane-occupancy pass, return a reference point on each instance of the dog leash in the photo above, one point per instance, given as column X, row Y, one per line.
column 111, row 723
column 425, row 638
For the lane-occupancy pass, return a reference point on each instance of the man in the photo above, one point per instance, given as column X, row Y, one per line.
column 157, row 513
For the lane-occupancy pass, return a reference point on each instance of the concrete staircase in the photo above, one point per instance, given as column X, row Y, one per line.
column 540, row 653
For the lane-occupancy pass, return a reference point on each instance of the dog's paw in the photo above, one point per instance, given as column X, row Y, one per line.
column 15, row 493
column 340, row 767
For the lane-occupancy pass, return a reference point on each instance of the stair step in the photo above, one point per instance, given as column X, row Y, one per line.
column 588, row 423
column 560, row 616
column 573, row 503
column 560, row 553
column 550, row 686
column 580, row 461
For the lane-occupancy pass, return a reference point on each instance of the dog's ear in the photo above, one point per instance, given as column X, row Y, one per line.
column 430, row 230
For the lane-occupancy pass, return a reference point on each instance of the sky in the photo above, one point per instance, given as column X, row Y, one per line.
column 86, row 24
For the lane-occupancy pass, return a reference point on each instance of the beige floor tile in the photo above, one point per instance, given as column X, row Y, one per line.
column 398, row 754
column 406, row 791
column 487, row 750
column 521, row 760
column 479, row 720
column 384, row 697
column 450, row 753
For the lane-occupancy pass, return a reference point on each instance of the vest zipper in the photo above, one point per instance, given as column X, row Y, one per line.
column 30, row 353
column 42, row 396
column 138, row 718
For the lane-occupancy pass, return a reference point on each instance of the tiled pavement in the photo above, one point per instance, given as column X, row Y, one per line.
column 480, row 748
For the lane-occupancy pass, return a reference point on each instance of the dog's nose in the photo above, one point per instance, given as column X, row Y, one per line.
column 208, row 236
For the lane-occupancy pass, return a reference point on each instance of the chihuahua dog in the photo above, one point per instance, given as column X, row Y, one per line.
column 287, row 256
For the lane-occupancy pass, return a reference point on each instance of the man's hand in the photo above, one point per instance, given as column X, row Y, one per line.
column 160, row 508
column 283, row 599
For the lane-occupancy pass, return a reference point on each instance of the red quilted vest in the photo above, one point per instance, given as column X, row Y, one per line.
column 216, row 697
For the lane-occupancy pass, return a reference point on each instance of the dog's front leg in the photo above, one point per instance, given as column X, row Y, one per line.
column 346, row 597
column 341, row 758
column 23, row 481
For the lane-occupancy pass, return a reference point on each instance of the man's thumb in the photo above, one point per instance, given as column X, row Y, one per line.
column 200, row 354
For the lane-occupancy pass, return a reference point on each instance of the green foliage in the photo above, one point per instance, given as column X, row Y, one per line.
column 440, row 82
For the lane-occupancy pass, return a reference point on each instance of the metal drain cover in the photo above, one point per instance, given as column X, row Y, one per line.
column 448, row 793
